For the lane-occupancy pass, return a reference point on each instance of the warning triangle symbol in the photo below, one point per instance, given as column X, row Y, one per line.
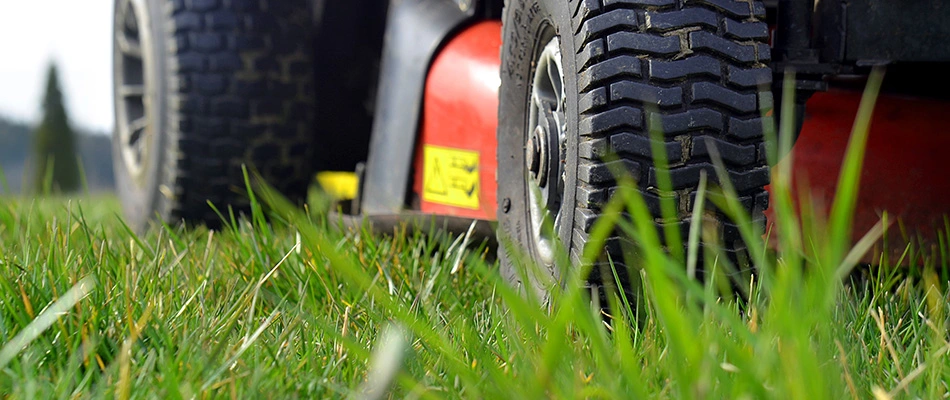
column 435, row 183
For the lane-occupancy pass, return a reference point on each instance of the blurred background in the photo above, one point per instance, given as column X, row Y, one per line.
column 75, row 36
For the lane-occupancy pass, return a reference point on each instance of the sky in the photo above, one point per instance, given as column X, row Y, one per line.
column 77, row 35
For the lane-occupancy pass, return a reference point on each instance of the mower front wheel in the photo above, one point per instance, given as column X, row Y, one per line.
column 582, row 86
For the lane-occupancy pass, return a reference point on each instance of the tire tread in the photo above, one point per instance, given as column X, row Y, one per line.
column 704, row 81
column 242, row 96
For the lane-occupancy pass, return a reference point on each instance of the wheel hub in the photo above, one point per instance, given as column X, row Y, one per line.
column 545, row 150
column 132, row 57
column 542, row 150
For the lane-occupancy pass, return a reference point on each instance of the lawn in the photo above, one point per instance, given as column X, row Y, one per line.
column 284, row 305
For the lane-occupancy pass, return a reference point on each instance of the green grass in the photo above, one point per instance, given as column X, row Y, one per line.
column 296, row 309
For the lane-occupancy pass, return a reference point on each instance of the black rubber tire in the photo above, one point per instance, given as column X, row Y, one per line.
column 700, row 68
column 232, row 86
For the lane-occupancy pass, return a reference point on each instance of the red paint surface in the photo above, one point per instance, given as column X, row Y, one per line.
column 461, row 111
column 906, row 163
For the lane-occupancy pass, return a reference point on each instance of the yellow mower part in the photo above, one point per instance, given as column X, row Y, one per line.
column 340, row 185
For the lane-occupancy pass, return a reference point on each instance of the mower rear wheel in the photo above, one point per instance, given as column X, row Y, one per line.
column 203, row 89
column 584, row 81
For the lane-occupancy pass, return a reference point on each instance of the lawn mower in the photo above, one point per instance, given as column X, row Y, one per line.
column 522, row 112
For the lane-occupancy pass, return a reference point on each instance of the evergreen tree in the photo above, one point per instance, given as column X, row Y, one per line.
column 54, row 143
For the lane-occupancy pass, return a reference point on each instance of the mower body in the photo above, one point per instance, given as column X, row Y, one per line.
column 404, row 97
column 431, row 148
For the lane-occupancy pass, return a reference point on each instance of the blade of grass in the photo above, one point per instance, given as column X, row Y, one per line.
column 846, row 193
column 46, row 319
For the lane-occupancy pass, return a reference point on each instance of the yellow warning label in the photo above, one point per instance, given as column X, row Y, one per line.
column 450, row 177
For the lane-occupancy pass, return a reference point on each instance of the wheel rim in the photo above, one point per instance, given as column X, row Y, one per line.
column 132, row 52
column 545, row 150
